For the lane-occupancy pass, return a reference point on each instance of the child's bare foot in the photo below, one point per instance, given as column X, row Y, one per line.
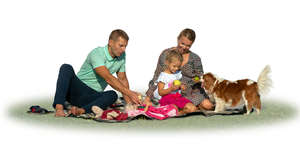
column 189, row 108
column 205, row 105
column 181, row 112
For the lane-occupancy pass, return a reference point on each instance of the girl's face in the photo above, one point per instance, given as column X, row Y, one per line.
column 174, row 66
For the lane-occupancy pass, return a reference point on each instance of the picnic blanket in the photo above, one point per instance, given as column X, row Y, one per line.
column 155, row 112
column 166, row 112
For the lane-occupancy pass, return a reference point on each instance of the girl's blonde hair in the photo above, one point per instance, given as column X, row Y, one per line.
column 174, row 55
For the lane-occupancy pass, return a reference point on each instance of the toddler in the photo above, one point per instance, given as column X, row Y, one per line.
column 169, row 93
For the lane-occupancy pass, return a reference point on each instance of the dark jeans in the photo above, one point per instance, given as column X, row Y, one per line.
column 70, row 88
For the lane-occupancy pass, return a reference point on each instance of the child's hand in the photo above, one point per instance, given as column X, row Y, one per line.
column 182, row 87
column 175, row 87
column 147, row 101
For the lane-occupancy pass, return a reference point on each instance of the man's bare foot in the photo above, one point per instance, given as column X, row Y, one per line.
column 59, row 111
column 80, row 111
column 73, row 110
column 76, row 111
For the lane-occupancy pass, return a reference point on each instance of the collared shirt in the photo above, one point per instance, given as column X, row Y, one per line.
column 96, row 58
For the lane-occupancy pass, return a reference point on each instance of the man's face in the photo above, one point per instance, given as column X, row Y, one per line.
column 118, row 47
column 184, row 44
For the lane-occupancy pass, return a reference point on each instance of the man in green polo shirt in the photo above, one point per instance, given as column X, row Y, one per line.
column 86, row 89
column 100, row 56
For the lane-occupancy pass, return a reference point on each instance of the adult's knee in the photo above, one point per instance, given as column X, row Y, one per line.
column 112, row 95
column 66, row 69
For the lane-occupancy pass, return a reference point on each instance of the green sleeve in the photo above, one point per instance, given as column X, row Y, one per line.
column 97, row 58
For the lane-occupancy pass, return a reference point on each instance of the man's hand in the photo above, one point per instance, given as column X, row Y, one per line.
column 124, row 81
column 134, row 97
column 120, row 84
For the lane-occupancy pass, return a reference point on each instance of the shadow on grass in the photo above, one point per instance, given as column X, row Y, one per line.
column 273, row 111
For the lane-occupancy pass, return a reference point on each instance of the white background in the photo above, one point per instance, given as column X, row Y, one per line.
column 235, row 39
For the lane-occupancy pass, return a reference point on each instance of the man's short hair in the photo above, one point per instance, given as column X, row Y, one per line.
column 189, row 33
column 115, row 34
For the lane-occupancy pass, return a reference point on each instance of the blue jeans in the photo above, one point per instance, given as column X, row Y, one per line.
column 70, row 88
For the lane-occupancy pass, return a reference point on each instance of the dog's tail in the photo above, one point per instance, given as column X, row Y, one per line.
column 264, row 82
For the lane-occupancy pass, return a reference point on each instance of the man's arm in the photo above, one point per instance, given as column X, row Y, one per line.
column 116, row 84
column 123, row 79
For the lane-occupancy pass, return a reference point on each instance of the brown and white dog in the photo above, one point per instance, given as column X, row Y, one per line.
column 230, row 94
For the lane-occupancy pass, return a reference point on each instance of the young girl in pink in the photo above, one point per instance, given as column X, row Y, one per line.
column 169, row 93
